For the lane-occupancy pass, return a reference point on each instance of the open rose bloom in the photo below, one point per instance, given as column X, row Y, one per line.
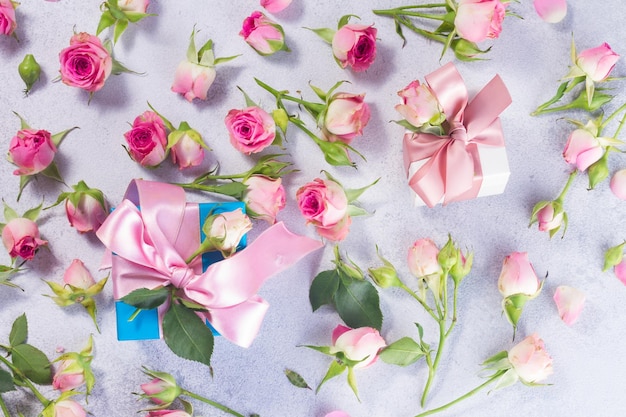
column 251, row 129
column 32, row 151
column 478, row 20
column 354, row 46
column 324, row 204
column 85, row 63
column 21, row 238
column 147, row 140
column 8, row 23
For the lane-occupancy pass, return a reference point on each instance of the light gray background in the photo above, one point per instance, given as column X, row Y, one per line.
column 530, row 56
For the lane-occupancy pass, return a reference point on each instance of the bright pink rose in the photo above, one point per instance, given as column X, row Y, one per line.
column 251, row 130
column 530, row 360
column 168, row 413
column 618, row 184
column 85, row 63
column 262, row 34
column 422, row 258
column 136, row 6
column 518, row 276
column 551, row 11
column 360, row 344
column 32, row 151
column 275, row 6
column 78, row 276
column 419, row 105
column 68, row 408
column 547, row 218
column 355, row 46
column 147, row 139
column 582, row 149
column 88, row 215
column 69, row 375
column 7, row 17
column 187, row 152
column 324, row 204
column 346, row 116
column 597, row 63
column 21, row 238
column 264, row 197
column 477, row 20
column 193, row 80
column 229, row 228
column 569, row 301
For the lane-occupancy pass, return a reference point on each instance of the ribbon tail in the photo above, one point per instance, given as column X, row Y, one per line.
column 241, row 323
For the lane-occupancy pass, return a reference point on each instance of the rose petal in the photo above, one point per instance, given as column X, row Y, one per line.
column 618, row 184
column 551, row 11
column 570, row 302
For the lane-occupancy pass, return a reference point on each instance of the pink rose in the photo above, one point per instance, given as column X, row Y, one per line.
column 618, row 184
column 264, row 197
column 275, row 6
column 360, row 344
column 32, row 151
column 549, row 219
column 346, row 116
column 7, row 17
column 530, row 360
column 251, row 130
column 569, row 301
column 68, row 408
column 21, row 238
column 582, row 149
column 324, row 204
column 69, row 375
column 477, row 20
column 88, row 214
column 136, row 6
column 168, row 413
column 187, row 151
column 85, row 63
column 193, row 80
column 355, row 46
column 262, row 34
column 419, row 105
column 422, row 258
column 78, row 276
column 551, row 11
column 518, row 276
column 597, row 63
column 147, row 139
column 228, row 229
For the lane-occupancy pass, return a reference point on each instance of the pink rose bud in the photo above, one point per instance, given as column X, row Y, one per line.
column 549, row 219
column 264, row 197
column 362, row 344
column 518, row 276
column 32, row 151
column 228, row 229
column 569, row 301
column 422, row 258
column 419, row 105
column 337, row 414
column 551, row 11
column 618, row 184
column 477, row 20
column 147, row 140
column 275, row 6
column 582, row 149
column 251, row 130
column 620, row 271
column 78, row 276
column 136, row 6
column 168, row 413
column 324, row 204
column 597, row 63
column 530, row 360
column 346, row 116
column 188, row 149
column 262, row 34
column 85, row 63
column 89, row 212
column 69, row 375
column 67, row 408
column 8, row 24
column 20, row 237
column 193, row 80
column 354, row 46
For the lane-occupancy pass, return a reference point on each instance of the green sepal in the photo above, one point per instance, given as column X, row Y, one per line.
column 19, row 331
column 334, row 370
column 146, row 299
column 323, row 288
column 402, row 352
column 187, row 335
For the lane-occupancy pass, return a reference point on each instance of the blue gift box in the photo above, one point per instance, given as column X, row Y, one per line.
column 145, row 325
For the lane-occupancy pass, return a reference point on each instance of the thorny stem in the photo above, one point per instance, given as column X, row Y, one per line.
column 213, row 403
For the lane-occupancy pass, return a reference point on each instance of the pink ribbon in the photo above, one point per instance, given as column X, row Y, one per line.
column 453, row 170
column 151, row 245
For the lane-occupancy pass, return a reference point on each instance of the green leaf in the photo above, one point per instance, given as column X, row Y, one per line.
column 58, row 137
column 335, row 369
column 146, row 299
column 402, row 352
column 6, row 382
column 358, row 305
column 19, row 331
column 33, row 363
column 33, row 213
column 296, row 379
column 323, row 288
column 186, row 334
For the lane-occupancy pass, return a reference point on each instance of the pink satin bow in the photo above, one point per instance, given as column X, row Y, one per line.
column 151, row 245
column 453, row 170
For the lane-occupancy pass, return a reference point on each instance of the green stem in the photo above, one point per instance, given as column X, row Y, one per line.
column 213, row 403
column 432, row 368
column 615, row 113
column 400, row 10
column 462, row 397
column 570, row 179
column 5, row 409
column 419, row 300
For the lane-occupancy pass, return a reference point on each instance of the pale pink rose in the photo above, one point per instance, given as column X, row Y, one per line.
column 360, row 344
column 137, row 6
column 264, row 35
column 422, row 258
column 193, row 80
column 530, row 360
column 187, row 152
column 250, row 130
column 324, row 204
column 419, row 105
column 88, row 215
column 569, row 301
column 618, row 184
column 551, row 11
column 582, row 149
column 518, row 276
column 32, row 151
column 69, row 375
column 620, row 271
column 597, row 63
column 275, row 6
column 337, row 414
column 354, row 46
column 264, row 196
column 147, row 139
column 85, row 63
column 477, row 20
column 548, row 220
column 78, row 276
column 168, row 413
column 346, row 116
column 7, row 17
column 21, row 238
column 230, row 226
column 68, row 408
